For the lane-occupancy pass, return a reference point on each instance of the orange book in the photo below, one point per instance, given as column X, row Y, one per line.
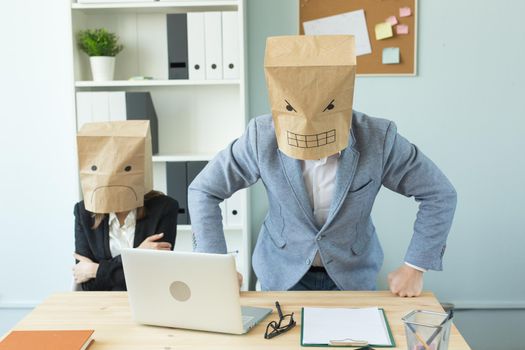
column 47, row 340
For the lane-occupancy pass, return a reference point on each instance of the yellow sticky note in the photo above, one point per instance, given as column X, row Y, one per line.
column 383, row 31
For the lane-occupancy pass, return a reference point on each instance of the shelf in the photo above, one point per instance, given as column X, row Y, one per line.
column 157, row 6
column 152, row 83
column 160, row 158
column 196, row 118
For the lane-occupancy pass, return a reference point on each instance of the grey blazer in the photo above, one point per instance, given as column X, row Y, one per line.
column 348, row 244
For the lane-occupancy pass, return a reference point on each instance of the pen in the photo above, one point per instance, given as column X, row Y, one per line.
column 418, row 337
column 436, row 332
column 348, row 342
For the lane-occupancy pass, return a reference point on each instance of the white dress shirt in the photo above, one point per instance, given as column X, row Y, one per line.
column 319, row 179
column 121, row 237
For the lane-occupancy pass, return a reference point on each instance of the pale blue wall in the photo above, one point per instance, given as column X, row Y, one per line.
column 10, row 317
column 465, row 110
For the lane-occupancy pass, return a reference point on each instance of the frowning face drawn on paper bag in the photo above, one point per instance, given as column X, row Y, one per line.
column 310, row 82
column 115, row 165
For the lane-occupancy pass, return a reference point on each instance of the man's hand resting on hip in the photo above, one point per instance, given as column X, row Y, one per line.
column 406, row 281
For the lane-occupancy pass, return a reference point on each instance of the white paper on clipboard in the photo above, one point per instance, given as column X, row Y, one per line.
column 322, row 325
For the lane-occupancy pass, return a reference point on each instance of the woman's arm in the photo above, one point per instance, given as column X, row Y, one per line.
column 110, row 274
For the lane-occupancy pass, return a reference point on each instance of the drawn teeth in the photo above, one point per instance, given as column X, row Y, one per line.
column 310, row 141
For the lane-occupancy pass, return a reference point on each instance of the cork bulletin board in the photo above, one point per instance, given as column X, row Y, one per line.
column 375, row 12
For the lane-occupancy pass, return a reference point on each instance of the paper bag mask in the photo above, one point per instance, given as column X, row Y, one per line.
column 115, row 165
column 310, row 83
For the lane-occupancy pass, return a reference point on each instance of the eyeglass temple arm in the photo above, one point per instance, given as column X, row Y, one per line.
column 279, row 311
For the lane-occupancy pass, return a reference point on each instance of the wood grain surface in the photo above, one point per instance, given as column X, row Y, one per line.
column 108, row 313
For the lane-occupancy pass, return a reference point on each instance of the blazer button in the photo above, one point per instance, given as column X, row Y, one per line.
column 319, row 238
column 308, row 261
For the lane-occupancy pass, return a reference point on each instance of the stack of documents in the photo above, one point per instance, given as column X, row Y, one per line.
column 203, row 45
column 326, row 326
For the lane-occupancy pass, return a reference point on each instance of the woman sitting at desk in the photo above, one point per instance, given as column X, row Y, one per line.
column 119, row 209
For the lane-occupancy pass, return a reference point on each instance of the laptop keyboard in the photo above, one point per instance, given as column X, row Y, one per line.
column 247, row 319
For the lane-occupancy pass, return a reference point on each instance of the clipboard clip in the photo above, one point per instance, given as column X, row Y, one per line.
column 348, row 342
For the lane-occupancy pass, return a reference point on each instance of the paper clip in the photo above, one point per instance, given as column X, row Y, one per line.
column 348, row 342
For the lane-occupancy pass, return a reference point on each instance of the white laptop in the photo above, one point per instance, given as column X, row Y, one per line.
column 187, row 290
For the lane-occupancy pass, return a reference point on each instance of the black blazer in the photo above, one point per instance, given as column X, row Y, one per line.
column 161, row 216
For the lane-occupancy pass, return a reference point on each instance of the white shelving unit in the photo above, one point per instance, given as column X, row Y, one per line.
column 159, row 6
column 163, row 158
column 196, row 118
column 151, row 83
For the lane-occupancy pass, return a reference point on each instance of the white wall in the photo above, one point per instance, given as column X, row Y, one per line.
column 38, row 178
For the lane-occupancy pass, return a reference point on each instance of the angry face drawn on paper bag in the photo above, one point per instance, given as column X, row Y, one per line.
column 115, row 165
column 310, row 82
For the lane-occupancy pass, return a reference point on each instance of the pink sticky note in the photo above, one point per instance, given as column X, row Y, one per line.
column 401, row 29
column 392, row 20
column 405, row 12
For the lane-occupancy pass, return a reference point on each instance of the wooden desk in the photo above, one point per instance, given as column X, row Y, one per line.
column 108, row 313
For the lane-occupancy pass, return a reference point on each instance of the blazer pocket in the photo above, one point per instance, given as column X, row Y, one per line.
column 361, row 242
column 361, row 189
column 275, row 232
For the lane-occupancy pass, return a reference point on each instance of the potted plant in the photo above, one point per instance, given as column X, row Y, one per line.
column 101, row 46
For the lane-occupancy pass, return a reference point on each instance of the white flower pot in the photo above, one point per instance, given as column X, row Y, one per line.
column 102, row 67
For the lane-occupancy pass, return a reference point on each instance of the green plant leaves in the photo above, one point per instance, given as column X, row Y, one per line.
column 98, row 42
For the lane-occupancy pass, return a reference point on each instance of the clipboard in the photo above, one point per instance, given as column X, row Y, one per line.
column 350, row 345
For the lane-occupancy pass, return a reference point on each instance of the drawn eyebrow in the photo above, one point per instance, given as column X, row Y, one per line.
column 329, row 105
column 290, row 106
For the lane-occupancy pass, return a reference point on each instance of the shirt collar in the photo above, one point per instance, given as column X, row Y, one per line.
column 130, row 219
column 325, row 159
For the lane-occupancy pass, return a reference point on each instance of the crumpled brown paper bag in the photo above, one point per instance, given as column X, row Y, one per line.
column 310, row 81
column 115, row 164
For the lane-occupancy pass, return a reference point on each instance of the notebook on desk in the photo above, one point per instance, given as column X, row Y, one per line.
column 345, row 327
column 48, row 339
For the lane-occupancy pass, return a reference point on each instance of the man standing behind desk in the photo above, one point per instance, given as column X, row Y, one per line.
column 322, row 165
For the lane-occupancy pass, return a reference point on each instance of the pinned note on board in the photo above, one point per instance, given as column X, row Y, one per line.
column 402, row 29
column 392, row 20
column 348, row 23
column 383, row 31
column 405, row 12
column 391, row 55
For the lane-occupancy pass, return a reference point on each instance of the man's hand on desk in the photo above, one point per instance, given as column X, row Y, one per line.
column 406, row 281
column 85, row 269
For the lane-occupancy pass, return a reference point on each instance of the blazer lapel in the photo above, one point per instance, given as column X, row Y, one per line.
column 344, row 177
column 105, row 225
column 139, row 233
column 294, row 175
